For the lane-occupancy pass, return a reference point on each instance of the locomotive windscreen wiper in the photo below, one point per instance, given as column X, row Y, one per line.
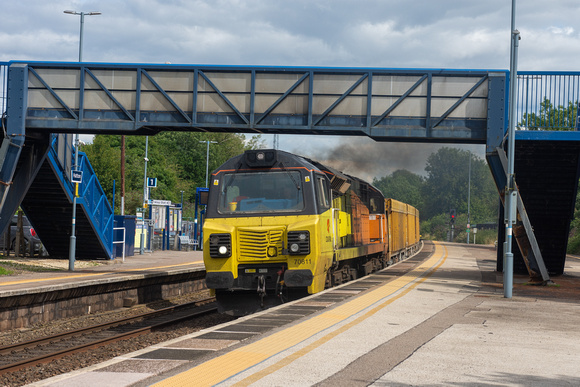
column 289, row 174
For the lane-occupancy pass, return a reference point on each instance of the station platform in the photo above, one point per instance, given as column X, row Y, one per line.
column 95, row 286
column 95, row 271
column 445, row 322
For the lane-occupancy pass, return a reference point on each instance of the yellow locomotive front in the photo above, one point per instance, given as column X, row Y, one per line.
column 267, row 231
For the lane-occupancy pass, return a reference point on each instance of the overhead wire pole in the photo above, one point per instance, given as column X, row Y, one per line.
column 469, row 199
column 510, row 192
column 73, row 242
column 145, row 196
column 207, row 160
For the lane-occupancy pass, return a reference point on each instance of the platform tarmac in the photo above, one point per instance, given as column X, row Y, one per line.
column 157, row 262
column 446, row 323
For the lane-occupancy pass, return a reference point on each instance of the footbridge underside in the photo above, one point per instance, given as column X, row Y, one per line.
column 390, row 105
column 408, row 105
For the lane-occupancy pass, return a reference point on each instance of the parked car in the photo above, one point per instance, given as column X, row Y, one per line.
column 30, row 236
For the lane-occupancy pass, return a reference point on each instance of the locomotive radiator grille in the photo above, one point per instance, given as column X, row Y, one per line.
column 254, row 244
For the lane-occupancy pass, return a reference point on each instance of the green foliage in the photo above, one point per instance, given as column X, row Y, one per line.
column 444, row 188
column 574, row 237
column 4, row 271
column 447, row 186
column 176, row 159
column 15, row 268
column 435, row 228
column 402, row 185
column 551, row 117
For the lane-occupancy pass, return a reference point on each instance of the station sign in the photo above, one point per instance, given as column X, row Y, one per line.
column 160, row 202
column 140, row 212
column 76, row 176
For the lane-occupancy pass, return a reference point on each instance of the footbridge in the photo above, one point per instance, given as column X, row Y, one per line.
column 407, row 105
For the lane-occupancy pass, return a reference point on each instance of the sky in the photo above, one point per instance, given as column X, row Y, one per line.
column 452, row 34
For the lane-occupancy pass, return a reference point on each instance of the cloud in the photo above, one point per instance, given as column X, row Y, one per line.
column 561, row 30
column 375, row 33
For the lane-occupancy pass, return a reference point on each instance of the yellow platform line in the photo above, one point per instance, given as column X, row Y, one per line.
column 230, row 364
column 34, row 280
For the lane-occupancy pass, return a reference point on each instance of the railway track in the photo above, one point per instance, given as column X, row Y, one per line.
column 43, row 350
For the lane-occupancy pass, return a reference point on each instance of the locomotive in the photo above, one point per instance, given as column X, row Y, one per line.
column 279, row 226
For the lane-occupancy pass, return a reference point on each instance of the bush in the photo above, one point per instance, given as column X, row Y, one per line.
column 574, row 244
column 437, row 228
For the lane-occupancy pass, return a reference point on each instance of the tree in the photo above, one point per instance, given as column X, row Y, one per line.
column 551, row 117
column 446, row 185
column 402, row 185
column 176, row 159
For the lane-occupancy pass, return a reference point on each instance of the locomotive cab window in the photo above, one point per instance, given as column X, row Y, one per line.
column 322, row 192
column 260, row 192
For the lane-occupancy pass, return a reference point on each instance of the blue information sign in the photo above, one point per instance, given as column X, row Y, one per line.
column 76, row 176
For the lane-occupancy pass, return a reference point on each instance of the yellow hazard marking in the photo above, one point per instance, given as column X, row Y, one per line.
column 224, row 367
column 95, row 274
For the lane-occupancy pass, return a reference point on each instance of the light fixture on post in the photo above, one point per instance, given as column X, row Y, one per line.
column 82, row 15
column 72, row 250
column 510, row 189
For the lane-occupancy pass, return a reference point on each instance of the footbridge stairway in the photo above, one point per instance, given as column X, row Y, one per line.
column 47, row 202
column 48, row 205
column 404, row 105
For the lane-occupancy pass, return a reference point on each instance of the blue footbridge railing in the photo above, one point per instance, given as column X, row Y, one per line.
column 91, row 196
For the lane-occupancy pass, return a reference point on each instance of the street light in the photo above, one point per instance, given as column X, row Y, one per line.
column 207, row 160
column 82, row 15
column 510, row 191
column 71, row 258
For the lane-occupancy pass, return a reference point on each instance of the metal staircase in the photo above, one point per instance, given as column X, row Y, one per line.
column 547, row 175
column 48, row 205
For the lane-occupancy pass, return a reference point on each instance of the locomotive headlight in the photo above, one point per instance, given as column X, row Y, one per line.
column 298, row 242
column 220, row 245
column 260, row 156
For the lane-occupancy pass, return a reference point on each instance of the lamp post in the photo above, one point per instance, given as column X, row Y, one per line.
column 207, row 160
column 510, row 192
column 82, row 15
column 72, row 250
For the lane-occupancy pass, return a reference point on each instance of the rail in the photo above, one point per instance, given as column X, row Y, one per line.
column 548, row 101
column 43, row 350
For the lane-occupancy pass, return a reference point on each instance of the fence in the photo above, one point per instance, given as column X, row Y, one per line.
column 548, row 100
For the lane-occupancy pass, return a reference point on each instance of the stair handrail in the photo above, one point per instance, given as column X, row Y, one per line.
column 91, row 195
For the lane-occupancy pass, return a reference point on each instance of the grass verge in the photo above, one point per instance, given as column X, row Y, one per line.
column 15, row 268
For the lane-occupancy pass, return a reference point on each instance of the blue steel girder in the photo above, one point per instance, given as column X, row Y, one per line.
column 412, row 105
